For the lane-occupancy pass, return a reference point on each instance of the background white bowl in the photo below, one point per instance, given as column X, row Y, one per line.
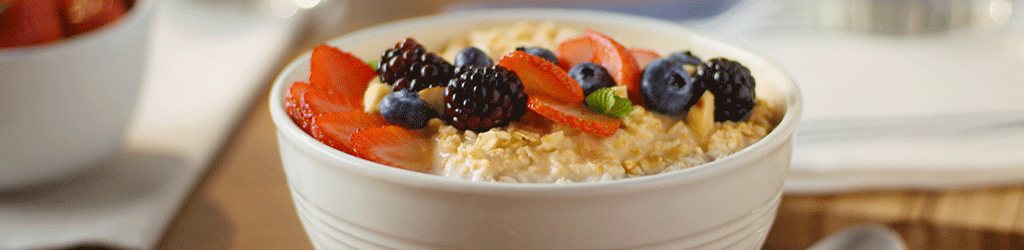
column 347, row 202
column 64, row 106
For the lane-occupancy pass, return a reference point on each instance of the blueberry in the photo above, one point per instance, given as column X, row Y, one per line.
column 685, row 57
column 405, row 108
column 472, row 56
column 668, row 88
column 541, row 52
column 591, row 77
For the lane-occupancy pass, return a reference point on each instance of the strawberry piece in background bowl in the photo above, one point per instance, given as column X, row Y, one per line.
column 29, row 22
column 82, row 16
column 66, row 103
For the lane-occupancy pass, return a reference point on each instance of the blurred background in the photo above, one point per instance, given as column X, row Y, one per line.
column 894, row 91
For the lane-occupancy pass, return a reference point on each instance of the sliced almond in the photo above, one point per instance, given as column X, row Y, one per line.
column 375, row 92
column 690, row 69
column 701, row 117
column 434, row 97
column 620, row 90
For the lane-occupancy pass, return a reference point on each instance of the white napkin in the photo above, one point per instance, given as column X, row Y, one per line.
column 205, row 69
column 880, row 112
column 941, row 112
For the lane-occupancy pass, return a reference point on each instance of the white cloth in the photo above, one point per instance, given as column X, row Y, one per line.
column 205, row 69
column 886, row 113
column 929, row 111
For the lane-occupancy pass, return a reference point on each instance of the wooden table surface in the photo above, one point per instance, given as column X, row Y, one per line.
column 243, row 202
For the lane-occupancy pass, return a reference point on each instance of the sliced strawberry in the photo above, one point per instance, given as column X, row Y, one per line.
column 293, row 102
column 336, row 129
column 619, row 62
column 319, row 101
column 643, row 56
column 574, row 115
column 29, row 22
column 541, row 77
column 394, row 146
column 575, row 51
column 81, row 16
column 533, row 122
column 333, row 69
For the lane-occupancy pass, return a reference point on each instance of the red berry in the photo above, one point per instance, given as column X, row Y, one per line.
column 346, row 75
column 336, row 129
column 643, row 56
column 619, row 62
column 541, row 77
column 574, row 115
column 81, row 16
column 575, row 51
column 28, row 22
column 319, row 101
column 394, row 146
column 293, row 103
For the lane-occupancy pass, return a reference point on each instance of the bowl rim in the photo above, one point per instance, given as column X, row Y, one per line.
column 137, row 13
column 289, row 130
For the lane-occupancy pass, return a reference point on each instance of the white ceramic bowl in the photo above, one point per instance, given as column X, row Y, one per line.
column 64, row 106
column 347, row 202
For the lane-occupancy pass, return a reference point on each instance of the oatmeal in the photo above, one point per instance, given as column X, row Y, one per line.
column 532, row 103
column 647, row 143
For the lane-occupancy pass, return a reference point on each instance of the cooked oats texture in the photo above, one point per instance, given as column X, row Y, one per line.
column 536, row 150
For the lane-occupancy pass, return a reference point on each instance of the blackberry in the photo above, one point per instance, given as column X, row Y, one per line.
column 732, row 85
column 480, row 98
column 409, row 66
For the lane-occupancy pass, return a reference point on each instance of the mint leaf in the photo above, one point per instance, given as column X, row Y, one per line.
column 605, row 101
column 599, row 101
column 621, row 109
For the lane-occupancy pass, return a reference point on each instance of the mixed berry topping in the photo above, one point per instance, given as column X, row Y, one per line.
column 409, row 66
column 480, row 98
column 732, row 85
column 591, row 77
column 590, row 85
